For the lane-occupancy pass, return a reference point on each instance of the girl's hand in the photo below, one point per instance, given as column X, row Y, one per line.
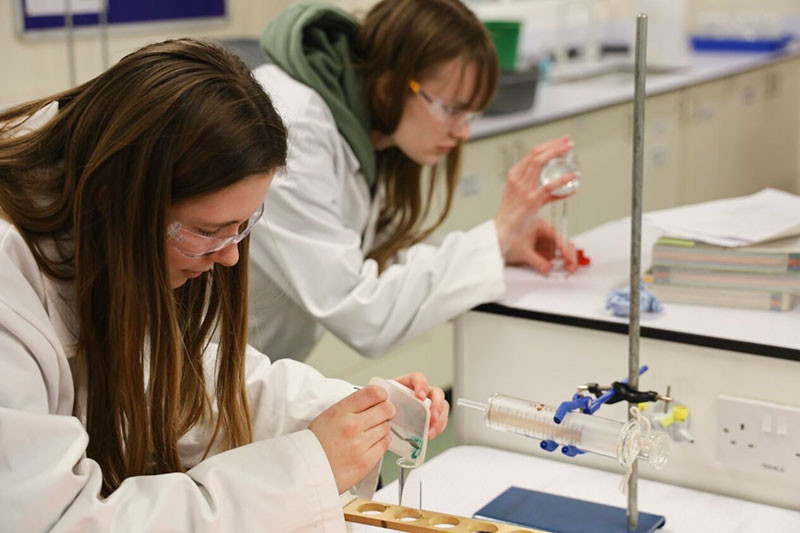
column 523, row 197
column 537, row 248
column 439, row 406
column 355, row 434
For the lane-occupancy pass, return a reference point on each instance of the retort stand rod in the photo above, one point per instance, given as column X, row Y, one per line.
column 636, row 239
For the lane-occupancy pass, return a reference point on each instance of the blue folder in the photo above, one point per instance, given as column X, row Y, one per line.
column 559, row 514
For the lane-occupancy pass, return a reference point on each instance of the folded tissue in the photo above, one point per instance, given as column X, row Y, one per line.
column 619, row 301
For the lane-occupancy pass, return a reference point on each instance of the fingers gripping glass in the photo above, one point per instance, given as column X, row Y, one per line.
column 455, row 115
column 194, row 244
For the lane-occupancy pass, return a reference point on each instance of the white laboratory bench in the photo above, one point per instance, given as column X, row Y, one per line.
column 580, row 299
column 547, row 336
column 463, row 479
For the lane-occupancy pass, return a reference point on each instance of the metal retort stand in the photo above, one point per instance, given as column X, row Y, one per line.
column 418, row 520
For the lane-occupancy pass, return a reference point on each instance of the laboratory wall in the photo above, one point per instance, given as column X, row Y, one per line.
column 36, row 65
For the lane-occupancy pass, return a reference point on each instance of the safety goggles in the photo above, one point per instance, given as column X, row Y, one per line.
column 454, row 115
column 193, row 244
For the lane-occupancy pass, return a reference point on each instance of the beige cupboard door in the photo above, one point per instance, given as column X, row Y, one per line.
column 603, row 144
column 479, row 189
column 780, row 142
column 748, row 134
column 761, row 133
column 703, row 119
column 661, row 150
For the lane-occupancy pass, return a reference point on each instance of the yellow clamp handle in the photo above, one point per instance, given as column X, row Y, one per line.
column 679, row 413
column 668, row 420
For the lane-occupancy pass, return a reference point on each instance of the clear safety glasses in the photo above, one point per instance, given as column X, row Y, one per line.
column 454, row 115
column 195, row 245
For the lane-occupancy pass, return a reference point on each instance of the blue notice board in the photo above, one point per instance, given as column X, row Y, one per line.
column 129, row 12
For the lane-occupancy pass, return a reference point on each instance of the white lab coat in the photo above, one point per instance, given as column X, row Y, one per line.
column 307, row 261
column 280, row 482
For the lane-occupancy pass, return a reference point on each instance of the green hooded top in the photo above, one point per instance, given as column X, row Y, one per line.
column 313, row 43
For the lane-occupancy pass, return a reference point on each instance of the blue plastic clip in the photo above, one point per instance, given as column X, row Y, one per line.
column 584, row 404
column 571, row 451
column 548, row 445
column 578, row 402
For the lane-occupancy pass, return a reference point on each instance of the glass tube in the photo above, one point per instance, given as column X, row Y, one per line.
column 558, row 219
column 622, row 441
column 553, row 170
column 408, row 476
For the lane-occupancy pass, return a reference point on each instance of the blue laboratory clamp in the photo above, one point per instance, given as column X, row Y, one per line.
column 585, row 404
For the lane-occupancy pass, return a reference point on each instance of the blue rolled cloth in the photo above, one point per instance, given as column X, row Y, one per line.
column 619, row 301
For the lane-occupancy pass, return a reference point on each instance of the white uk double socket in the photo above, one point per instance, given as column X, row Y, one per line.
column 756, row 435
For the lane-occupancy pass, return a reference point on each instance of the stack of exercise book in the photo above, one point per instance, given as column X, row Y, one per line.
column 760, row 276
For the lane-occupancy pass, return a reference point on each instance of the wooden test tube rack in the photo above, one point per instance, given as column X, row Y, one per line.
column 397, row 518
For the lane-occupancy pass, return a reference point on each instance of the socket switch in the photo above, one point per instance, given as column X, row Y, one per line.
column 756, row 435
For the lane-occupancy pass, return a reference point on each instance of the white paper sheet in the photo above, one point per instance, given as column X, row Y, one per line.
column 733, row 222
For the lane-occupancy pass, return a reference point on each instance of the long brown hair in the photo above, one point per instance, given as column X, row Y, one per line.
column 400, row 40
column 89, row 192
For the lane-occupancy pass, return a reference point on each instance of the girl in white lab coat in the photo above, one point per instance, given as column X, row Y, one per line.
column 126, row 206
column 369, row 106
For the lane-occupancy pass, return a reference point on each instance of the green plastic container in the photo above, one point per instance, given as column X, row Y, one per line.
column 505, row 34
